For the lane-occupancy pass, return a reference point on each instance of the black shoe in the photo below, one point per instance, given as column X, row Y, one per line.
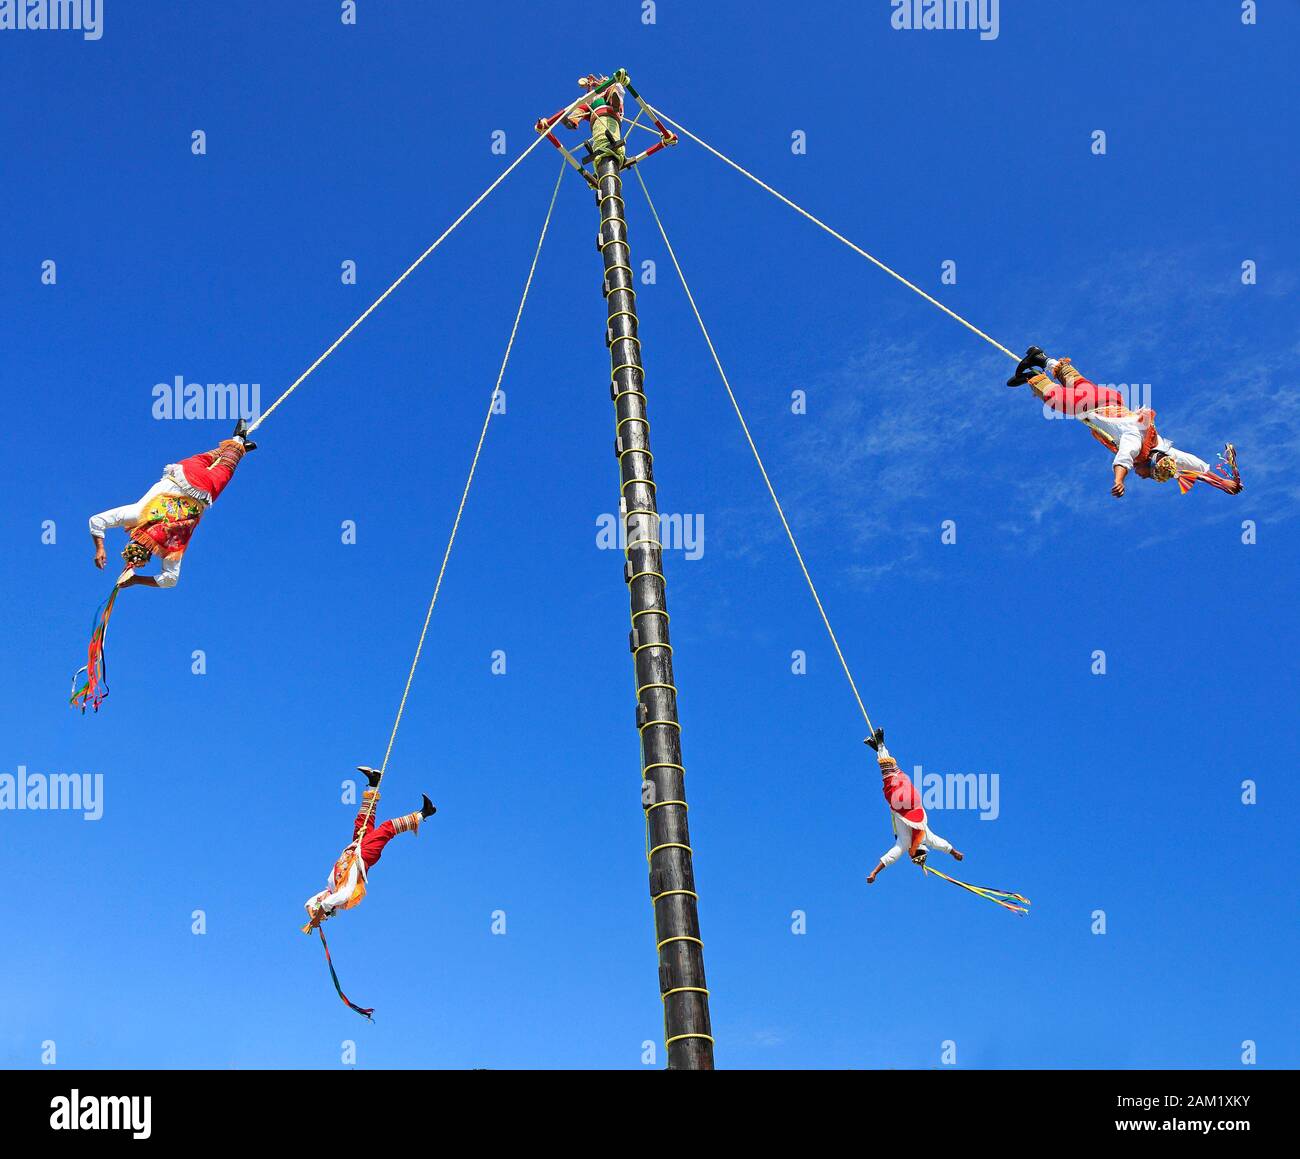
column 241, row 433
column 1035, row 359
column 428, row 809
column 372, row 775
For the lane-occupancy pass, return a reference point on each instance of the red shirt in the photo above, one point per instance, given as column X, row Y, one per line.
column 903, row 798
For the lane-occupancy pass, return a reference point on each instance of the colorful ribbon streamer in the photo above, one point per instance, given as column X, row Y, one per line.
column 94, row 689
column 1014, row 902
column 364, row 1011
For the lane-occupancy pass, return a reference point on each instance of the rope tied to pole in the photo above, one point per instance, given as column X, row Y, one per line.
column 1014, row 902
column 841, row 238
column 333, row 346
column 366, row 1012
column 758, row 458
column 464, row 495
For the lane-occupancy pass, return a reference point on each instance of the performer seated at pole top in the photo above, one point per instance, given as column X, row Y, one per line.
column 163, row 520
column 912, row 830
column 1131, row 436
column 347, row 882
column 604, row 112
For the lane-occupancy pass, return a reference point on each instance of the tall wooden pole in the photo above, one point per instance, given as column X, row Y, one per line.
column 687, row 1030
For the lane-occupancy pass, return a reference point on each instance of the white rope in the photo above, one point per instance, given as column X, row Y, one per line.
column 464, row 496
column 744, row 426
column 840, row 237
column 333, row 346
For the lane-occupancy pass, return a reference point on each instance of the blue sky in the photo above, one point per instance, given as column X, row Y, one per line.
column 1118, row 792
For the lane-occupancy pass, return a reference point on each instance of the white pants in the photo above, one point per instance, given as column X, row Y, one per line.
column 902, row 847
column 128, row 517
